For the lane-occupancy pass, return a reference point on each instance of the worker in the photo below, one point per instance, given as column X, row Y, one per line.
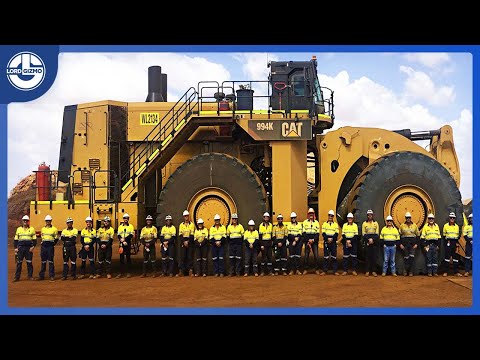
column 468, row 236
column 370, row 233
column 105, row 240
column 279, row 238
column 200, row 240
column 409, row 236
column 311, row 234
column 69, row 238
column 168, row 236
column 49, row 238
column 265, row 239
column 125, row 234
column 251, row 238
column 88, row 238
column 389, row 237
column 185, row 233
column 218, row 235
column 350, row 244
column 148, row 238
column 234, row 236
column 295, row 231
column 451, row 235
column 24, row 243
column 430, row 237
column 330, row 236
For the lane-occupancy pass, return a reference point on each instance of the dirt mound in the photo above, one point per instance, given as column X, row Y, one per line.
column 19, row 202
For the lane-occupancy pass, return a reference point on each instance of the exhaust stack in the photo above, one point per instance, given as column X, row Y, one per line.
column 157, row 85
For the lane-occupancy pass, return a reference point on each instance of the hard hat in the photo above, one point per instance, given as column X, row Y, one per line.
column 330, row 212
column 431, row 216
column 168, row 217
column 280, row 216
column 186, row 213
column 200, row 221
column 216, row 217
column 149, row 217
column 106, row 218
column 48, row 217
column 407, row 214
column 88, row 218
column 266, row 214
column 389, row 218
column 69, row 219
column 369, row 211
column 126, row 216
column 234, row 216
column 251, row 222
column 25, row 217
column 470, row 216
column 349, row 215
column 293, row 214
column 310, row 211
column 452, row 214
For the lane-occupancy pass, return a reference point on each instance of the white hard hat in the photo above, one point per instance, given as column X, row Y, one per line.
column 25, row 217
column 216, row 217
column 407, row 214
column 452, row 214
column 389, row 218
column 470, row 216
column 310, row 211
column 369, row 211
column 234, row 216
column 293, row 214
column 149, row 217
column 280, row 216
column 88, row 218
column 431, row 216
column 48, row 217
column 331, row 212
column 200, row 221
column 349, row 215
column 168, row 217
column 126, row 216
column 69, row 219
column 186, row 213
column 106, row 218
column 251, row 222
column 266, row 214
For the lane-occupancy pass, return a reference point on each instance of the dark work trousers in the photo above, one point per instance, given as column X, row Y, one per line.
column 314, row 249
column 350, row 255
column 468, row 256
column 167, row 258
column 235, row 256
column 295, row 253
column 186, row 254
column 201, row 253
column 251, row 257
column 267, row 259
column 47, row 253
column 149, row 256
column 24, row 253
column 127, row 251
column 84, row 255
column 218, row 260
column 432, row 258
column 280, row 258
column 408, row 253
column 451, row 250
column 330, row 255
column 371, row 250
column 69, row 253
column 104, row 256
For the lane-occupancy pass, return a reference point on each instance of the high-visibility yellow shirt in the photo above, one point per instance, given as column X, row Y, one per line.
column 27, row 234
column 295, row 229
column 186, row 229
column 70, row 233
column 217, row 234
column 468, row 231
column 330, row 228
column 49, row 233
column 431, row 232
column 88, row 235
column 370, row 227
column 266, row 231
column 201, row 235
column 451, row 231
column 235, row 231
column 168, row 232
column 311, row 227
column 251, row 236
column 389, row 234
column 125, row 230
column 349, row 231
column 148, row 233
column 409, row 230
column 105, row 235
column 280, row 232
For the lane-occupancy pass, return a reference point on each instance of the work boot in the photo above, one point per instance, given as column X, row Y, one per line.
column 196, row 275
column 317, row 272
column 411, row 274
column 299, row 272
column 367, row 273
column 153, row 275
column 15, row 279
column 384, row 274
column 285, row 273
column 344, row 273
column 98, row 276
column 216, row 275
column 445, row 274
column 222, row 275
column 190, row 272
column 128, row 275
column 336, row 273
column 322, row 273
column 458, row 274
column 262, row 274
column 291, row 272
column 435, row 274
column 171, row 275
column 74, row 278
column 52, row 279
column 256, row 274
column 305, row 272
column 92, row 276
column 466, row 274
column 81, row 277
column 354, row 273
column 64, row 278
column 109, row 276
column 204, row 275
column 246, row 274
column 374, row 274
column 276, row 274
column 394, row 274
column 118, row 276
column 429, row 274
column 273, row 274
column 143, row 275
column 405, row 273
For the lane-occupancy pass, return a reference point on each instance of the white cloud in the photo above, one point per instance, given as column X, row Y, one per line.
column 430, row 60
column 419, row 86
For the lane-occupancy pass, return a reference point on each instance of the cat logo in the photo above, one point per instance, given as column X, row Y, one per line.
column 292, row 129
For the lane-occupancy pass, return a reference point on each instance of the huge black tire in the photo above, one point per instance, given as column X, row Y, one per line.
column 389, row 173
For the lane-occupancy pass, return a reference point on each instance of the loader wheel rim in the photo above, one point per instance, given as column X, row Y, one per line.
column 408, row 198
column 210, row 201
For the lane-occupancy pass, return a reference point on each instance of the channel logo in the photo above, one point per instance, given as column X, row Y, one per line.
column 26, row 71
